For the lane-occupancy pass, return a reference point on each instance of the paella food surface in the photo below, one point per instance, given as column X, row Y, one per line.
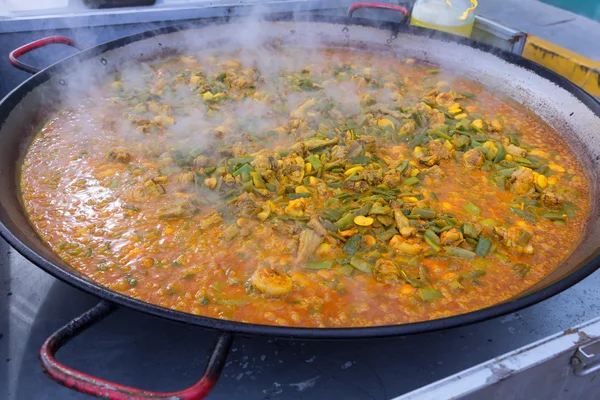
column 342, row 190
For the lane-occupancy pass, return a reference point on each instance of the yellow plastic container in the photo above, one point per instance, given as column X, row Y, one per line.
column 453, row 16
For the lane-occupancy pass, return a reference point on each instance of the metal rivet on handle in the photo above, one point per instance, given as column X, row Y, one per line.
column 62, row 82
column 103, row 61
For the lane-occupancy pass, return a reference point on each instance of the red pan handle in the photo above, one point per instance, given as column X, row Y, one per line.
column 380, row 6
column 13, row 57
column 84, row 383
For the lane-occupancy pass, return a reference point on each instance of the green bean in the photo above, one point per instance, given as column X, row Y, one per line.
column 411, row 181
column 380, row 210
column 409, row 194
column 429, row 234
column 430, row 294
column 489, row 222
column 476, row 273
column 425, row 213
column 524, row 214
column 244, row 168
column 360, row 264
column 501, row 155
column 441, row 134
column 387, row 234
column 554, row 216
column 361, row 160
column 315, row 265
column 513, row 139
column 521, row 269
column 314, row 161
column 332, row 214
column 472, row 208
column 402, row 166
column 257, row 180
column 507, row 172
column 346, row 222
column 483, row 247
column 470, row 231
column 337, row 236
column 459, row 252
column 352, row 245
column 436, row 247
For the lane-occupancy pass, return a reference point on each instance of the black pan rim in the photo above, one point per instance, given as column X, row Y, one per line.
column 16, row 95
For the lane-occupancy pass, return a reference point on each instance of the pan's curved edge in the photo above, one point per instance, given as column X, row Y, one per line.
column 16, row 95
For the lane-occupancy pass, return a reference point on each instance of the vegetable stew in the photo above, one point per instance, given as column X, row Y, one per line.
column 330, row 189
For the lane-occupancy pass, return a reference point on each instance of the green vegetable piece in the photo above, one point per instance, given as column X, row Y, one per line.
column 314, row 161
column 459, row 252
column 352, row 245
column 521, row 269
column 432, row 236
column 554, row 216
column 524, row 214
column 476, row 273
column 424, row 213
column 489, row 223
column 413, row 180
column 430, row 294
column 483, row 247
column 501, row 155
column 244, row 168
column 294, row 196
column 472, row 208
column 470, row 231
column 315, row 265
column 361, row 160
column 513, row 139
column 361, row 265
column 346, row 222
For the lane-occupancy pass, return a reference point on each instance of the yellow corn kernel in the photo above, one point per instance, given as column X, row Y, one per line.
column 418, row 151
column 541, row 181
column 407, row 289
column 460, row 116
column 539, row 153
column 194, row 79
column 414, row 172
column 454, row 106
column 210, row 183
column 446, row 205
column 308, row 167
column 363, row 221
column 454, row 110
column 552, row 180
column 556, row 167
column 448, row 145
column 477, row 124
column 353, row 170
column 412, row 163
column 208, row 96
column 323, row 250
column 496, row 126
column 312, row 180
column 385, row 123
column 163, row 119
column 410, row 199
column 301, row 189
column 509, row 158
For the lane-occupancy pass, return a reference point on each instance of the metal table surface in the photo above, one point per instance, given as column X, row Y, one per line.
column 148, row 352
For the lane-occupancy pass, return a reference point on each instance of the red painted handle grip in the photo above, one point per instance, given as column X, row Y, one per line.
column 81, row 382
column 381, row 6
column 15, row 54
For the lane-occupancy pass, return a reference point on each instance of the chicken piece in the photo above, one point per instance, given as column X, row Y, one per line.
column 119, row 155
column 266, row 160
column 309, row 241
column 513, row 236
column 316, row 225
column 452, row 237
column 209, row 220
column 284, row 228
column 437, row 148
column 408, row 127
column 230, row 233
column 445, row 99
column 372, row 174
column 238, row 149
column 551, row 199
column 368, row 142
column 435, row 172
column 399, row 217
column 339, row 153
column 429, row 160
column 271, row 281
column 521, row 180
column 392, row 179
column 516, row 151
column 386, row 271
column 357, row 186
column 296, row 207
column 473, row 159
column 202, row 162
column 292, row 168
column 184, row 209
column 186, row 178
